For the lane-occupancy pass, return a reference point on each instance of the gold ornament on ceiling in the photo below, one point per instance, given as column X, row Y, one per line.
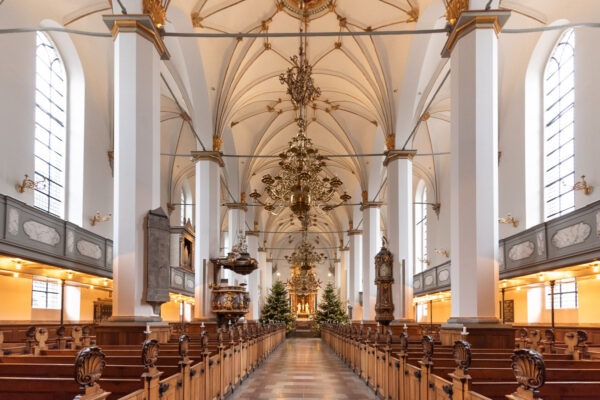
column 157, row 9
column 307, row 8
column 454, row 8
column 305, row 256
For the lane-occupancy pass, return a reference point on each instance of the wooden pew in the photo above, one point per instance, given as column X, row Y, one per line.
column 214, row 375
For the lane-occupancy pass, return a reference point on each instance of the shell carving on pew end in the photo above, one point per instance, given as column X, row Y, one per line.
column 184, row 346
column 404, row 343
column 462, row 355
column 530, row 373
column 150, row 354
column 427, row 343
column 89, row 364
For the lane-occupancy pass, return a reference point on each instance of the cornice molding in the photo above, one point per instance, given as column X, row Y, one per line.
column 208, row 155
column 140, row 24
column 468, row 21
column 398, row 155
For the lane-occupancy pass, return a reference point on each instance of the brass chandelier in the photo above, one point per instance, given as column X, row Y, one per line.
column 305, row 256
column 302, row 183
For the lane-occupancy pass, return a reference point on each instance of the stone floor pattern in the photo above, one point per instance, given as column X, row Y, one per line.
column 303, row 368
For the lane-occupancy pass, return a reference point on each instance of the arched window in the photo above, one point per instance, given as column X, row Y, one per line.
column 421, row 260
column 50, row 127
column 559, row 120
column 183, row 206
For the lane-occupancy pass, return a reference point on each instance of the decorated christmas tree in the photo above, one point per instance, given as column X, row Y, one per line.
column 330, row 310
column 277, row 307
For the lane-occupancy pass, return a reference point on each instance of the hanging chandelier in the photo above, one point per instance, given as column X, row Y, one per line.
column 302, row 183
column 238, row 260
column 305, row 256
column 304, row 283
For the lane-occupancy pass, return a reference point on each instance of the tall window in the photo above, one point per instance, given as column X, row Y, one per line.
column 565, row 294
column 183, row 208
column 559, row 109
column 421, row 261
column 45, row 294
column 50, row 127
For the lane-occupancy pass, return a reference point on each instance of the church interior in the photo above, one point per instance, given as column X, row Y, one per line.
column 280, row 199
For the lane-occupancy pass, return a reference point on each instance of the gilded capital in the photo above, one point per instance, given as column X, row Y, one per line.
column 142, row 25
column 390, row 142
column 398, row 155
column 217, row 143
column 243, row 197
column 365, row 196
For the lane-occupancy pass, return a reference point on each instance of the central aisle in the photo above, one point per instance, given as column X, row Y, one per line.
column 303, row 369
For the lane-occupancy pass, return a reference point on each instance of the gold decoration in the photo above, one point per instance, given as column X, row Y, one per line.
column 442, row 252
column 582, row 185
column 299, row 81
column 197, row 20
column 509, row 219
column 306, row 9
column 454, row 8
column 390, row 142
column 31, row 185
column 365, row 196
column 217, row 143
column 243, row 197
column 99, row 218
column 157, row 9
column 305, row 255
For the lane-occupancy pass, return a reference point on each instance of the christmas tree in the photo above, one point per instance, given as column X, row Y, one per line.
column 277, row 307
column 330, row 310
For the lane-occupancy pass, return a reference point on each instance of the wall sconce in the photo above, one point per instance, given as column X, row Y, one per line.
column 424, row 261
column 99, row 218
column 509, row 219
column 30, row 184
column 442, row 252
column 582, row 185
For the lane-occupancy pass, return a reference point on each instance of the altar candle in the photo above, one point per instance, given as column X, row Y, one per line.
column 464, row 331
column 202, row 325
column 147, row 327
column 405, row 327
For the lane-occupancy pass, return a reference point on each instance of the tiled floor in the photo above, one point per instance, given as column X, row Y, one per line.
column 303, row 368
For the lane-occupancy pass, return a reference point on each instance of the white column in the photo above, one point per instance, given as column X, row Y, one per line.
column 262, row 264
column 355, row 273
column 337, row 263
column 137, row 168
column 371, row 246
column 344, row 278
column 253, row 278
column 400, row 229
column 208, row 230
column 474, row 175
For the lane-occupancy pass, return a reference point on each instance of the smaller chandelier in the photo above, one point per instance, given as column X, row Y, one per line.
column 238, row 260
column 301, row 183
column 305, row 256
column 304, row 283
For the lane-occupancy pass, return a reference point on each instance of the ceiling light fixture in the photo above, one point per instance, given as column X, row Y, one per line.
column 302, row 183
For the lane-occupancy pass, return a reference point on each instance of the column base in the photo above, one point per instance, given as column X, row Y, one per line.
column 483, row 333
column 132, row 331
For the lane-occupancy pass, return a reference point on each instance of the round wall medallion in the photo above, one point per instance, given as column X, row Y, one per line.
column 307, row 8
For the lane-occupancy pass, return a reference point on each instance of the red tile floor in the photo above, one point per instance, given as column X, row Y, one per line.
column 303, row 368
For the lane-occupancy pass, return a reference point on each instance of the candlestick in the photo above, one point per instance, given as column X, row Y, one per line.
column 202, row 325
column 148, row 327
column 464, row 331
column 405, row 327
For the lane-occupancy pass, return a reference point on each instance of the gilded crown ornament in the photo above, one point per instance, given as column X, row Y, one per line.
column 157, row 9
